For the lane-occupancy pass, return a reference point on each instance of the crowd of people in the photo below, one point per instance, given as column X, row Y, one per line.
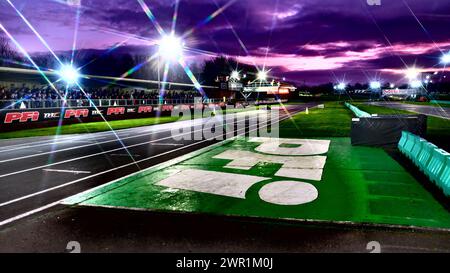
column 46, row 97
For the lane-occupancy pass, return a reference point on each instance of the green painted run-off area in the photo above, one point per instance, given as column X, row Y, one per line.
column 359, row 184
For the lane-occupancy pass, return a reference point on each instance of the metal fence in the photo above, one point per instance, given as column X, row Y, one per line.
column 42, row 104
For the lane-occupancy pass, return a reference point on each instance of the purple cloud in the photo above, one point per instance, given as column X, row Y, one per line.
column 296, row 38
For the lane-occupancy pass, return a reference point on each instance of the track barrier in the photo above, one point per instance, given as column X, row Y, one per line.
column 358, row 112
column 432, row 161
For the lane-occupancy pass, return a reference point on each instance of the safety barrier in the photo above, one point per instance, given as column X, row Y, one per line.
column 358, row 112
column 440, row 101
column 432, row 161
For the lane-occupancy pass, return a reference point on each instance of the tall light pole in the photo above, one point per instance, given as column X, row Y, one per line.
column 159, row 72
column 171, row 50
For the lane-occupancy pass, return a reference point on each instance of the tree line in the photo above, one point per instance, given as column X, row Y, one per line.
column 116, row 63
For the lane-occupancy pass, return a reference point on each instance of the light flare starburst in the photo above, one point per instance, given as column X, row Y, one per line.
column 69, row 74
column 170, row 47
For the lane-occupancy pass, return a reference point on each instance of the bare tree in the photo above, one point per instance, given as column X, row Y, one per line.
column 6, row 52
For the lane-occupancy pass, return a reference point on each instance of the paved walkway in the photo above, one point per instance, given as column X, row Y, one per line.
column 435, row 111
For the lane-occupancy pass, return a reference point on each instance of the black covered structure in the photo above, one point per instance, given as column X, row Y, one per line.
column 386, row 130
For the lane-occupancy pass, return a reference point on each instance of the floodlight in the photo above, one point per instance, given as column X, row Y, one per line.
column 412, row 73
column 73, row 3
column 235, row 75
column 415, row 84
column 392, row 85
column 69, row 74
column 375, row 85
column 445, row 59
column 170, row 47
column 262, row 75
column 341, row 86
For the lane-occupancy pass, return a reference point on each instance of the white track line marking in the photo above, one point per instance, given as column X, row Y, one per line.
column 61, row 139
column 192, row 124
column 69, row 137
column 23, row 215
column 57, row 139
column 79, row 147
column 97, row 174
column 65, row 171
column 50, row 142
column 72, row 148
column 86, row 156
column 125, row 155
column 28, row 213
column 96, row 154
column 154, row 128
column 167, row 144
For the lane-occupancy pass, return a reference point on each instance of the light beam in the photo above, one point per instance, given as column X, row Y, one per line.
column 69, row 74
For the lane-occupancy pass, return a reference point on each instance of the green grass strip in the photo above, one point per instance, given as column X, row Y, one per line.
column 332, row 121
column 90, row 127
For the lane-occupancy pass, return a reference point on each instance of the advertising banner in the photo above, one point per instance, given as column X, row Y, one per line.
column 18, row 119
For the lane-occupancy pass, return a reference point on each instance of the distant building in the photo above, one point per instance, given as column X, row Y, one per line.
column 270, row 88
column 398, row 93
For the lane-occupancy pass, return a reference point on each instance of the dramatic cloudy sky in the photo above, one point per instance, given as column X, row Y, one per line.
column 304, row 40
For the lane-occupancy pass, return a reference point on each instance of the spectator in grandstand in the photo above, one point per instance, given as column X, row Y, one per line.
column 44, row 96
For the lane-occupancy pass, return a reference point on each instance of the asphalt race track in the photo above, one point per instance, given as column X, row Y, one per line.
column 38, row 172
column 436, row 111
column 126, row 231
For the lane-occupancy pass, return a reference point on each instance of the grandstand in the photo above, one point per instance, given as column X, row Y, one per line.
column 26, row 88
column 16, row 96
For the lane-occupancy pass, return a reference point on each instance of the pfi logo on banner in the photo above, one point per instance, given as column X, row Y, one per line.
column 76, row 113
column 145, row 109
column 21, row 117
column 115, row 111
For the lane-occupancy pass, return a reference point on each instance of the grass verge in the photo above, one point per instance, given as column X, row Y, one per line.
column 92, row 127
column 89, row 127
column 332, row 121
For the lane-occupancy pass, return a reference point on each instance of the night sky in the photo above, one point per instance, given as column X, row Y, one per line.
column 312, row 41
